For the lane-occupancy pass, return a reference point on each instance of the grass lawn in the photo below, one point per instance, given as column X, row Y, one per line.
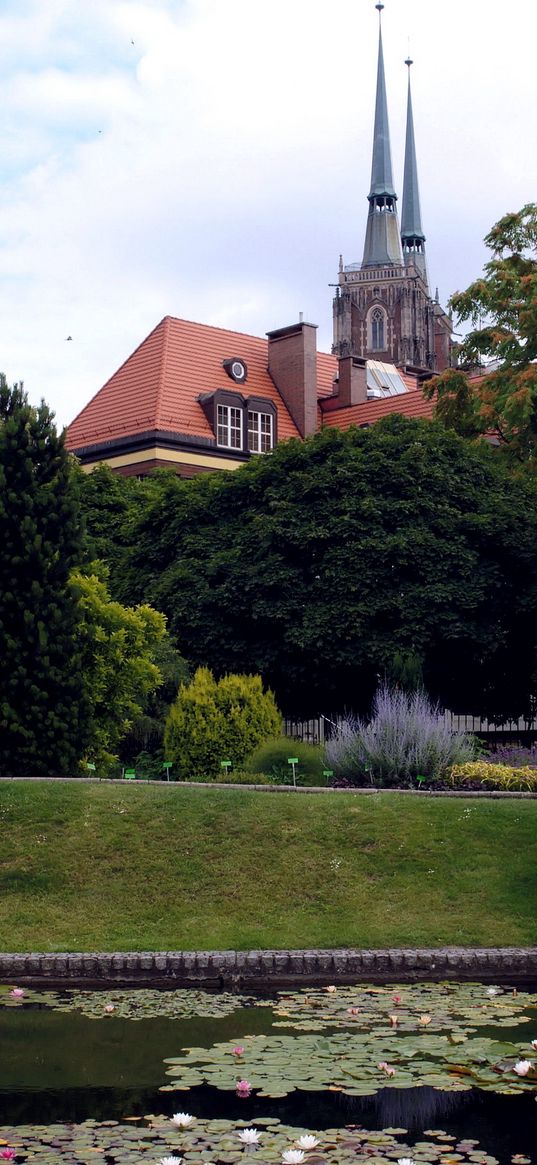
column 140, row 867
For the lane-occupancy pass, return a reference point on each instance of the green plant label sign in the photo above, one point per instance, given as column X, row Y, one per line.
column 225, row 764
column 167, row 764
column 292, row 760
column 130, row 775
column 91, row 767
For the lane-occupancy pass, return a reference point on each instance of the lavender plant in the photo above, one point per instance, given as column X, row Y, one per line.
column 406, row 737
column 517, row 756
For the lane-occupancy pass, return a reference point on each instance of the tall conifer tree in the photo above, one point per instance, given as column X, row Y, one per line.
column 41, row 698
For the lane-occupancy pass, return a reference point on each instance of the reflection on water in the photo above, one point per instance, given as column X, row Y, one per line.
column 503, row 1125
column 54, row 1049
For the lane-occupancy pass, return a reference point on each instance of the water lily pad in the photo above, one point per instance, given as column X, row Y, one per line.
column 215, row 1141
column 275, row 1065
column 134, row 1003
column 455, row 1007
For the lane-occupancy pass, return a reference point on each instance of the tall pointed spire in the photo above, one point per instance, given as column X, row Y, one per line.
column 382, row 242
column 412, row 236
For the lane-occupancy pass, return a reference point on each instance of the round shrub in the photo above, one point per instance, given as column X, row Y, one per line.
column 215, row 720
column 271, row 760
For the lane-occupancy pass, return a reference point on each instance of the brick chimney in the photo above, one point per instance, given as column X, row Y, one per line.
column 292, row 364
column 352, row 380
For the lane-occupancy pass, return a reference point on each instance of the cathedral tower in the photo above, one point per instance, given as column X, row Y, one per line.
column 383, row 308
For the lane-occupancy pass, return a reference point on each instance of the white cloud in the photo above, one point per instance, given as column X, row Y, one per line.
column 216, row 167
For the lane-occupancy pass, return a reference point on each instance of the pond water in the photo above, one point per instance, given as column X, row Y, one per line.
column 433, row 1072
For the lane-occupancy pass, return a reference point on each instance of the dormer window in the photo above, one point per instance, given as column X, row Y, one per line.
column 244, row 424
column 260, row 431
column 229, row 426
column 236, row 369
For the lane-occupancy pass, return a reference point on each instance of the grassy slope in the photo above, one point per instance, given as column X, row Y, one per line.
column 102, row 867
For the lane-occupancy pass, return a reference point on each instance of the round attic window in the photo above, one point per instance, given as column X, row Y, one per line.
column 236, row 369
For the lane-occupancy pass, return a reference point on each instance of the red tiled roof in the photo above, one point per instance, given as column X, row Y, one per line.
column 409, row 404
column 158, row 386
column 326, row 371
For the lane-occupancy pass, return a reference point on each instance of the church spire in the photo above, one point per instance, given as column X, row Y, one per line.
column 412, row 236
column 382, row 243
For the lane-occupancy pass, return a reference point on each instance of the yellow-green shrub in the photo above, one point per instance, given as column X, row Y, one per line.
column 215, row 720
column 494, row 776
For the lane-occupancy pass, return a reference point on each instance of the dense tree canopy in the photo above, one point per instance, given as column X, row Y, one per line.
column 318, row 565
column 42, row 700
column 501, row 308
column 110, row 506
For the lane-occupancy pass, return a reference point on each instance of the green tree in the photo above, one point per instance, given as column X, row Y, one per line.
column 501, row 308
column 42, row 699
column 316, row 566
column 146, row 734
column 214, row 720
column 117, row 648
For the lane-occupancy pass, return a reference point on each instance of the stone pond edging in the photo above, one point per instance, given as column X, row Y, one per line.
column 353, row 791
column 240, row 970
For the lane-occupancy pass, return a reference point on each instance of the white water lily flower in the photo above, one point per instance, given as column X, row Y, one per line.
column 182, row 1120
column 307, row 1142
column 170, row 1161
column 249, row 1136
column 533, row 1044
column 522, row 1067
column 406, row 1161
column 293, row 1157
column 492, row 991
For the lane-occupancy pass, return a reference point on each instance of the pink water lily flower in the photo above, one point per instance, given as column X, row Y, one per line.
column 109, row 1008
column 396, row 998
column 387, row 1068
column 17, row 993
column 238, row 1051
column 243, row 1088
column 8, row 1154
column 522, row 1067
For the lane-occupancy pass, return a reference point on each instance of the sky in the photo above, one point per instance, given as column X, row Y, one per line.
column 210, row 159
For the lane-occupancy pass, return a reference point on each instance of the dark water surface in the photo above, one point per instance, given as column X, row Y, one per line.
column 62, row 1067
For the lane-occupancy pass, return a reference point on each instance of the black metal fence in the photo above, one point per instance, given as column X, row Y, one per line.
column 317, row 730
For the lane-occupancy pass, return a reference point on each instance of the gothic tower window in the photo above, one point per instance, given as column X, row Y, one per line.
column 377, row 330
